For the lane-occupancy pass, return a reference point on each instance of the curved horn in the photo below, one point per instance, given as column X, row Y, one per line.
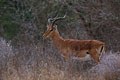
column 50, row 20
column 58, row 18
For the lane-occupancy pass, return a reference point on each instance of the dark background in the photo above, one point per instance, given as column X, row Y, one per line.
column 24, row 51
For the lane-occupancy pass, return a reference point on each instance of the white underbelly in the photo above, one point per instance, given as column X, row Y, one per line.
column 87, row 57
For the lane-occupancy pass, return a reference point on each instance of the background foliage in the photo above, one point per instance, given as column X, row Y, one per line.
column 22, row 23
column 85, row 19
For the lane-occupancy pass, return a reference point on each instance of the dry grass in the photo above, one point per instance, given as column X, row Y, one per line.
column 33, row 62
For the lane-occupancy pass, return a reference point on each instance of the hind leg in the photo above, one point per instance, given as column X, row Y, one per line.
column 95, row 55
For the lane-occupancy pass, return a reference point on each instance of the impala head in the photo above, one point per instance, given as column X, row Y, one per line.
column 51, row 27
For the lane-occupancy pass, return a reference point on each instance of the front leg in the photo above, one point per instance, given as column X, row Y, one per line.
column 65, row 54
column 65, row 57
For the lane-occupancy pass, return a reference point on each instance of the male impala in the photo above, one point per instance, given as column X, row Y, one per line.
column 73, row 47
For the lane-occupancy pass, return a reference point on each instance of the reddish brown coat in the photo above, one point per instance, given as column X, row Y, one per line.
column 74, row 47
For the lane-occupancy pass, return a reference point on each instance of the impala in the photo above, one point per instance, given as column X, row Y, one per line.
column 73, row 47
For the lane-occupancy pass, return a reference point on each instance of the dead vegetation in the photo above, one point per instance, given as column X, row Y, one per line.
column 24, row 55
column 31, row 63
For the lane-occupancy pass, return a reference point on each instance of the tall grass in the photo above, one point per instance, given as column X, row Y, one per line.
column 35, row 62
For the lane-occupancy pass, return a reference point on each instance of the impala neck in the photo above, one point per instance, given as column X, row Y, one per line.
column 57, row 39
